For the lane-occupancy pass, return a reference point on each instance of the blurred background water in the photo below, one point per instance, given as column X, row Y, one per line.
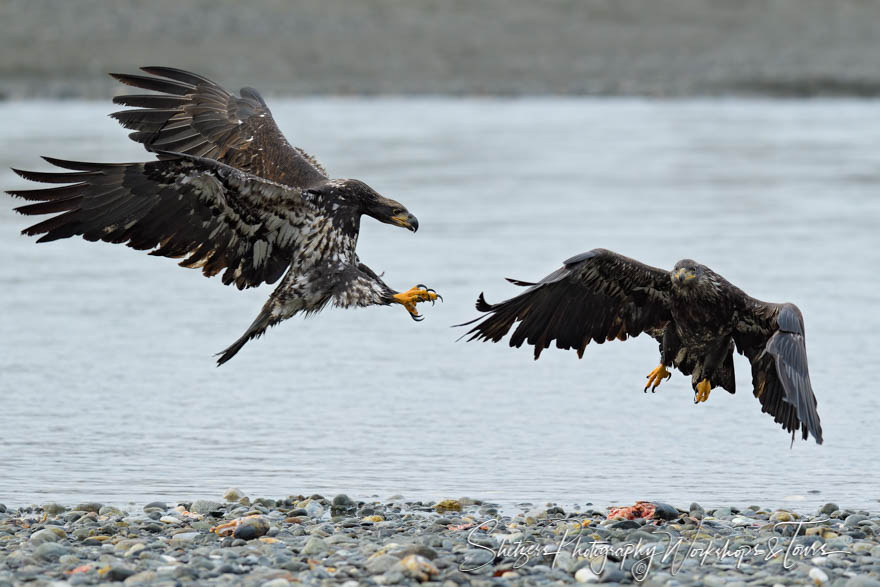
column 108, row 389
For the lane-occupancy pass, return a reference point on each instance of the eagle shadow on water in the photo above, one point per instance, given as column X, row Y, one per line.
column 226, row 193
column 696, row 315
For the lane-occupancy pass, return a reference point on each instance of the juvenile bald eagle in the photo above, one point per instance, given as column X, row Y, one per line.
column 697, row 316
column 229, row 194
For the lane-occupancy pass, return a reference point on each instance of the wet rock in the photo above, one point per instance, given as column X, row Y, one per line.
column 49, row 551
column 141, row 578
column 205, row 507
column 157, row 506
column 818, row 576
column 781, row 516
column 314, row 509
column 586, row 575
column 381, row 563
column 52, row 534
column 89, row 507
column 251, row 528
column 448, row 505
column 829, row 508
column 696, row 511
column 315, row 545
column 852, row 521
column 119, row 573
column 232, row 494
column 664, row 511
column 53, row 509
column 417, row 567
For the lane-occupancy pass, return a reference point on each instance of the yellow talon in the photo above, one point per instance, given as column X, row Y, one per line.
column 416, row 294
column 656, row 376
column 702, row 393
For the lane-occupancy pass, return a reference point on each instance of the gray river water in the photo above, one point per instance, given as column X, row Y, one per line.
column 108, row 389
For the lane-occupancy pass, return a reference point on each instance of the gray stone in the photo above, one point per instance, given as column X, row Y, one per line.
column 251, row 528
column 53, row 509
column 664, row 511
column 119, row 573
column 696, row 511
column 852, row 521
column 205, row 506
column 863, row 581
column 315, row 545
column 142, row 578
column 89, row 507
column 233, row 494
column 343, row 501
column 829, row 508
column 155, row 506
column 47, row 535
column 381, row 563
column 184, row 537
column 49, row 551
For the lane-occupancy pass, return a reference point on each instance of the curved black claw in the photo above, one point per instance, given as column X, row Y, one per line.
column 416, row 317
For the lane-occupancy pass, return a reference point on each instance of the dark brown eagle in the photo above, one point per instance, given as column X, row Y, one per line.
column 697, row 316
column 227, row 193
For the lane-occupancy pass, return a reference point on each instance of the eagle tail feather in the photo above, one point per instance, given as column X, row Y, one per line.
column 257, row 328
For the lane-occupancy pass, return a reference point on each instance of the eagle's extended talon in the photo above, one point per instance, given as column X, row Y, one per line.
column 656, row 376
column 416, row 294
column 701, row 394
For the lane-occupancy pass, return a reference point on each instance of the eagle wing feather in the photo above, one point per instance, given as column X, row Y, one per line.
column 215, row 216
column 598, row 296
column 772, row 336
column 195, row 116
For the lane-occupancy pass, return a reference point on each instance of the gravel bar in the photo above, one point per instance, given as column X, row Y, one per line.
column 329, row 541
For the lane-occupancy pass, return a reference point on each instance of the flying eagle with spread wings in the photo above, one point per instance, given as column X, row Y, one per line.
column 697, row 316
column 226, row 193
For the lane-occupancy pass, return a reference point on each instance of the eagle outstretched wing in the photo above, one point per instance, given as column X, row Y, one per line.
column 598, row 296
column 772, row 337
column 216, row 216
column 195, row 116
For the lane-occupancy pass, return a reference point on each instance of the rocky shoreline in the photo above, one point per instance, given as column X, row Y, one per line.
column 319, row 540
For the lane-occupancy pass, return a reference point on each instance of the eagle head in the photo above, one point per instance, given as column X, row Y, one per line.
column 688, row 274
column 362, row 199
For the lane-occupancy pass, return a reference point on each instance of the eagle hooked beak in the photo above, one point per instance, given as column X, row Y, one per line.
column 406, row 220
column 683, row 276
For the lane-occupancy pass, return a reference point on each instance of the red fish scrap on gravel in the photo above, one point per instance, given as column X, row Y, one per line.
column 644, row 509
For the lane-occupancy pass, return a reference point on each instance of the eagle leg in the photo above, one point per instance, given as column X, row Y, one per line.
column 656, row 376
column 702, row 392
column 416, row 294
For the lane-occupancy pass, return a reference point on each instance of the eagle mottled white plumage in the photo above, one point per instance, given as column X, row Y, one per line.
column 697, row 316
column 227, row 193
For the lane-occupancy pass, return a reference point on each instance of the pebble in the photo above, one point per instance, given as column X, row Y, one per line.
column 315, row 545
column 818, row 576
column 204, row 506
column 53, row 534
column 233, row 494
column 251, row 528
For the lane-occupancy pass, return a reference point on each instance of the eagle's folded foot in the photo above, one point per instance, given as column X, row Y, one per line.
column 418, row 293
column 702, row 392
column 656, row 376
